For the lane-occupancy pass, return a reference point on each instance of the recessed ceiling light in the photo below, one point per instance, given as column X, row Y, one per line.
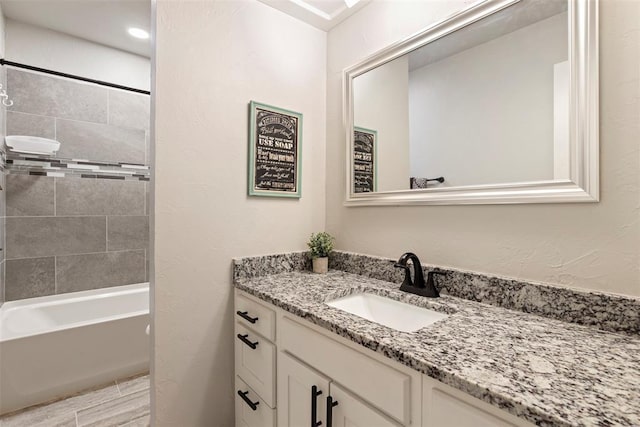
column 351, row 3
column 312, row 9
column 138, row 33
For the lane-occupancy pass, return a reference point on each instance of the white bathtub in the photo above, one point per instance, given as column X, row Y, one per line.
column 57, row 345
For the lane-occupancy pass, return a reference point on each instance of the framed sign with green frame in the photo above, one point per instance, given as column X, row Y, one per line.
column 275, row 139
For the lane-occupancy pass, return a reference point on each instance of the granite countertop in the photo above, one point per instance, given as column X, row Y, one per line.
column 546, row 371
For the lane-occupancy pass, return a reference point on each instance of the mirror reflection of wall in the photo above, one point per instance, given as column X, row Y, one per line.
column 381, row 101
column 487, row 104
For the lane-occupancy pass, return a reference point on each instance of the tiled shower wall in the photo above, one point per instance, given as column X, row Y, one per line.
column 66, row 234
column 3, row 193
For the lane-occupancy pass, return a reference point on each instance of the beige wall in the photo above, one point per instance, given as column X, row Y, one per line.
column 213, row 58
column 594, row 246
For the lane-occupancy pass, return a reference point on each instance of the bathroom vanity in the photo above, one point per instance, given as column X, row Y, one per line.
column 302, row 362
column 369, row 390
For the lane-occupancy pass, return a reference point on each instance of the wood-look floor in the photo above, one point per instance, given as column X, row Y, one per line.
column 122, row 403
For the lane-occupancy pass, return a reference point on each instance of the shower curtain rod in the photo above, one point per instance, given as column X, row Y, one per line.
column 71, row 76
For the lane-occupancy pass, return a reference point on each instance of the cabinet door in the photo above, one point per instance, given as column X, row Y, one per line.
column 295, row 383
column 352, row 412
column 351, row 368
column 447, row 410
column 444, row 406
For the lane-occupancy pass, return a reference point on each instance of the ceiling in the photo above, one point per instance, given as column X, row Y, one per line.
column 106, row 21
column 322, row 14
column 100, row 21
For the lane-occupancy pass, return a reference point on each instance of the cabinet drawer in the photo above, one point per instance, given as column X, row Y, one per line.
column 255, row 316
column 380, row 385
column 246, row 416
column 256, row 366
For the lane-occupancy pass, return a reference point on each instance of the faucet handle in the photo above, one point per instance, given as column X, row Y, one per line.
column 407, row 274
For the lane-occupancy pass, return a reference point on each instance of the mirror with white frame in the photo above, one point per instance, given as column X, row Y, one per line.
column 497, row 104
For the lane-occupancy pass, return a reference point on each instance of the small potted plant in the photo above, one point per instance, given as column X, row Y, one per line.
column 320, row 245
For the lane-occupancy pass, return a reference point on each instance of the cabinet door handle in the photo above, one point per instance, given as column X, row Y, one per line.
column 244, row 339
column 245, row 316
column 243, row 395
column 330, row 404
column 314, row 406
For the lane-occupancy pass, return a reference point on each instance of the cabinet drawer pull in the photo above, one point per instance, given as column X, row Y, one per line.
column 244, row 339
column 252, row 405
column 314, row 406
column 330, row 404
column 245, row 316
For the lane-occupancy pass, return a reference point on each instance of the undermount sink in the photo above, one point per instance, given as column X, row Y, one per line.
column 394, row 314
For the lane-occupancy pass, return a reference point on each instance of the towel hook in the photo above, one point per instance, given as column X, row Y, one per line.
column 5, row 98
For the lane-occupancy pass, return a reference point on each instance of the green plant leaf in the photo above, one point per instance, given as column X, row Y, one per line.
column 320, row 244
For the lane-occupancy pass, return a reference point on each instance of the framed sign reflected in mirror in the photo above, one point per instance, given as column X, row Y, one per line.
column 364, row 160
column 497, row 104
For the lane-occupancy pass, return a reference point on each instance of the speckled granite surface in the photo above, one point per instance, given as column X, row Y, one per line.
column 264, row 265
column 604, row 311
column 548, row 372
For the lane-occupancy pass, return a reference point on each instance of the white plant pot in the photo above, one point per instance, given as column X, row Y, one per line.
column 320, row 265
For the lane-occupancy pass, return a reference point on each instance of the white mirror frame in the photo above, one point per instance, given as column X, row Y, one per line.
column 583, row 185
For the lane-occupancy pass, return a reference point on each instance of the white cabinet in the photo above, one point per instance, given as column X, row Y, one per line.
column 304, row 395
column 291, row 367
column 255, row 363
column 377, row 383
column 298, row 386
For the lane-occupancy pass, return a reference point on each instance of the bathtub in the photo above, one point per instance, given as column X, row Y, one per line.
column 54, row 346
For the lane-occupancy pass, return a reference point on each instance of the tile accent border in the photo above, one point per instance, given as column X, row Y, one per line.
column 33, row 164
column 608, row 312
